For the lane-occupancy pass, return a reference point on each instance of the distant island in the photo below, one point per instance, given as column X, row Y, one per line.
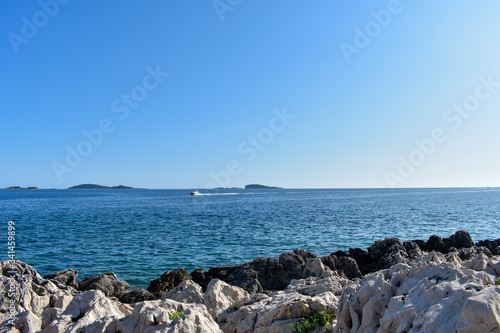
column 260, row 187
column 100, row 187
column 20, row 188
column 228, row 188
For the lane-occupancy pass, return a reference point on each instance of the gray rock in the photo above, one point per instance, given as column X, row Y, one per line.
column 461, row 239
column 186, row 292
column 108, row 283
column 294, row 264
column 469, row 253
column 200, row 277
column 63, row 278
column 220, row 296
column 490, row 244
column 364, row 260
column 169, row 280
column 279, row 311
column 256, row 276
column 136, row 296
column 271, row 273
column 155, row 317
column 90, row 311
column 432, row 295
column 387, row 253
column 412, row 249
column 435, row 243
column 347, row 266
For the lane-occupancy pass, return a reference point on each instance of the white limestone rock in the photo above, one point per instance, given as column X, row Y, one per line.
column 315, row 268
column 220, row 296
column 280, row 310
column 431, row 296
column 90, row 309
column 186, row 292
column 154, row 316
column 30, row 293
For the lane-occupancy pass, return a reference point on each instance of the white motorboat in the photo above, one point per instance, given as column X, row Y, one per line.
column 195, row 192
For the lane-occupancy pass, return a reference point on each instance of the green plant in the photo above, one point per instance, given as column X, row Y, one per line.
column 497, row 281
column 314, row 321
column 175, row 315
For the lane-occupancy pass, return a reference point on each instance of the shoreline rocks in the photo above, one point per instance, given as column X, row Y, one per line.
column 391, row 286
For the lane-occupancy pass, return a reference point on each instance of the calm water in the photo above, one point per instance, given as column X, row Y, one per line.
column 139, row 234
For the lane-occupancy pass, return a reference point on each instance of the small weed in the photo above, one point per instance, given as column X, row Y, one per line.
column 175, row 315
column 314, row 321
column 497, row 281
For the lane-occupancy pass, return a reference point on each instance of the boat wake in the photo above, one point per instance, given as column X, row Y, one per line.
column 218, row 194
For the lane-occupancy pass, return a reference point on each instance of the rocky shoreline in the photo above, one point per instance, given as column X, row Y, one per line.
column 438, row 285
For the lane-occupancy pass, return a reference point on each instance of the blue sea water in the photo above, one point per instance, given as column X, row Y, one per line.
column 139, row 234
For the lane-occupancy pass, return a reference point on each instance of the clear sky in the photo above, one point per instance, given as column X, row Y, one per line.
column 172, row 94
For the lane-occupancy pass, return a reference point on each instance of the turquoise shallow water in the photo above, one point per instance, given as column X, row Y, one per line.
column 139, row 234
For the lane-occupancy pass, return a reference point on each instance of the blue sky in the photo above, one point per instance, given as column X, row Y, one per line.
column 256, row 92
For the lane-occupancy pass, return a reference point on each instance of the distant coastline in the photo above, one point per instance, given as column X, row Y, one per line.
column 20, row 188
column 100, row 187
column 260, row 187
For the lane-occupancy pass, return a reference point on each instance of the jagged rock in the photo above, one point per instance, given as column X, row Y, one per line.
column 427, row 296
column 387, row 253
column 345, row 265
column 154, row 317
column 494, row 263
column 200, row 277
column 469, row 253
column 67, row 277
column 88, row 312
column 256, row 276
column 271, row 273
column 186, row 292
column 294, row 264
column 412, row 249
column 108, row 283
column 304, row 254
column 241, row 275
column 280, row 310
column 316, row 268
column 489, row 244
column 363, row 260
column 28, row 322
column 481, row 313
column 435, row 243
column 420, row 243
column 31, row 294
column 220, row 296
column 136, row 296
column 169, row 280
column 313, row 286
column 461, row 239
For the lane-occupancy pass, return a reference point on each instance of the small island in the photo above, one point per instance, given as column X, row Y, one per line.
column 100, row 187
column 20, row 188
column 260, row 187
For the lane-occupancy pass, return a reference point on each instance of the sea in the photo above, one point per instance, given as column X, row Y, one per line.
column 140, row 234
